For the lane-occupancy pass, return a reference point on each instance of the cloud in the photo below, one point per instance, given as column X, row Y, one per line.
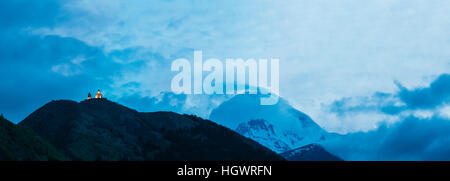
column 444, row 111
column 200, row 105
column 429, row 97
column 387, row 108
column 411, row 138
column 69, row 69
column 417, row 130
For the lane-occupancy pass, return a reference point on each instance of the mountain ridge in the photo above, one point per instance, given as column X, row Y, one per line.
column 99, row 129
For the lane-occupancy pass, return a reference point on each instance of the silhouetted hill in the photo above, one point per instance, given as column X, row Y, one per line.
column 21, row 144
column 311, row 152
column 99, row 129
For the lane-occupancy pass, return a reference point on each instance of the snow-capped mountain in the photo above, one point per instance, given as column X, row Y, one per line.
column 279, row 127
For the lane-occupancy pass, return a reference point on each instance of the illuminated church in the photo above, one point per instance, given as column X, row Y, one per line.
column 97, row 96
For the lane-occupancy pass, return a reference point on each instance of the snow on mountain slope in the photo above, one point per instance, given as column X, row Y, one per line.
column 279, row 127
column 262, row 132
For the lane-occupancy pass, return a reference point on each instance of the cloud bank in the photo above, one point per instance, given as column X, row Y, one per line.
column 419, row 130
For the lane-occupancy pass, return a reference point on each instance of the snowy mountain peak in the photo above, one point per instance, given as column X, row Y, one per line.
column 279, row 127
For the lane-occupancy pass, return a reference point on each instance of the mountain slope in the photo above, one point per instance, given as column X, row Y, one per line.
column 21, row 144
column 99, row 129
column 289, row 128
column 311, row 152
column 262, row 132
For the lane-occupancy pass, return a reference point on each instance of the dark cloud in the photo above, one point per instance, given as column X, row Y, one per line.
column 436, row 94
column 429, row 97
column 417, row 138
column 378, row 102
column 411, row 138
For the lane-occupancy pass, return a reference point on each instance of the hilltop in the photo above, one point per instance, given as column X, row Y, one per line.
column 99, row 129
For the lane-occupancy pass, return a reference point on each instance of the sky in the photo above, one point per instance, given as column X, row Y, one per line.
column 350, row 65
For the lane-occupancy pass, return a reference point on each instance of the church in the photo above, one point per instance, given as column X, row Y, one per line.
column 97, row 96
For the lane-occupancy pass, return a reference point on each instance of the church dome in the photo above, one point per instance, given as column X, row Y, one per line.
column 98, row 95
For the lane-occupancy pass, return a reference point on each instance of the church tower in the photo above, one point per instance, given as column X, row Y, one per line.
column 89, row 96
column 98, row 95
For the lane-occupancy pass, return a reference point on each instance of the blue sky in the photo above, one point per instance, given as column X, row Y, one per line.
column 351, row 65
